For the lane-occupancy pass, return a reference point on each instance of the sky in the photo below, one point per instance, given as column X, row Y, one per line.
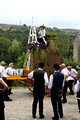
column 51, row 13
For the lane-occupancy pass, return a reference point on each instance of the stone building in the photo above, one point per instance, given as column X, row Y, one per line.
column 76, row 49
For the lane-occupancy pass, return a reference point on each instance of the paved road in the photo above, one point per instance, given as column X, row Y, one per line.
column 21, row 107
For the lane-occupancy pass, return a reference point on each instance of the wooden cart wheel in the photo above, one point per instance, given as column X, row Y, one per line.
column 30, row 88
column 30, row 84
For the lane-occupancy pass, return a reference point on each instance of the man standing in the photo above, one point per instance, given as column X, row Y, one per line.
column 4, row 76
column 10, row 72
column 68, row 77
column 73, row 73
column 56, row 86
column 40, row 80
column 66, row 73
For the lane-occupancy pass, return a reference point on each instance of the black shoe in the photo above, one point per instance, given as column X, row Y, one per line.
column 41, row 117
column 61, row 116
column 54, row 118
column 8, row 99
column 64, row 101
column 8, row 93
column 34, row 116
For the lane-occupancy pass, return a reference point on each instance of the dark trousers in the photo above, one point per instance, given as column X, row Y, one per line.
column 75, row 81
column 65, row 91
column 70, row 84
column 37, row 97
column 2, row 114
column 56, row 103
column 5, row 93
column 40, row 40
column 66, row 85
column 9, row 82
column 78, row 104
column 1, row 106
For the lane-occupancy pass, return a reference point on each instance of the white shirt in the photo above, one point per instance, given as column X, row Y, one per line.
column 42, row 32
column 73, row 72
column 0, row 78
column 51, row 81
column 77, row 87
column 11, row 71
column 65, row 71
column 30, row 75
column 3, row 71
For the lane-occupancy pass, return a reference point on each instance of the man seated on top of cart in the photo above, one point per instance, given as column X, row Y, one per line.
column 42, row 38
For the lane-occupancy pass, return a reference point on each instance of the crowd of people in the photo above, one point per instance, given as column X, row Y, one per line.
column 61, row 78
column 5, row 85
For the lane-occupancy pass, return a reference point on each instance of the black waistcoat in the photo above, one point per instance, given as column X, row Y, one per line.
column 38, row 76
column 57, row 81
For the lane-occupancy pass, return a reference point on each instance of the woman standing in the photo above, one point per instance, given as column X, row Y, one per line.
column 3, row 87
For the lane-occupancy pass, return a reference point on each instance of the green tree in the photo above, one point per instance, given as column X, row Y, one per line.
column 24, row 44
column 14, row 50
column 21, row 60
column 4, row 45
column 63, row 43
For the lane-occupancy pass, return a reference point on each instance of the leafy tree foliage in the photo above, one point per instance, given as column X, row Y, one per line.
column 8, row 38
column 14, row 50
column 65, row 44
column 4, row 45
column 13, row 42
column 21, row 60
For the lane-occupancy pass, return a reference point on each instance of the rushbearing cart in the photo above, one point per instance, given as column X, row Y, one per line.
column 22, row 79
